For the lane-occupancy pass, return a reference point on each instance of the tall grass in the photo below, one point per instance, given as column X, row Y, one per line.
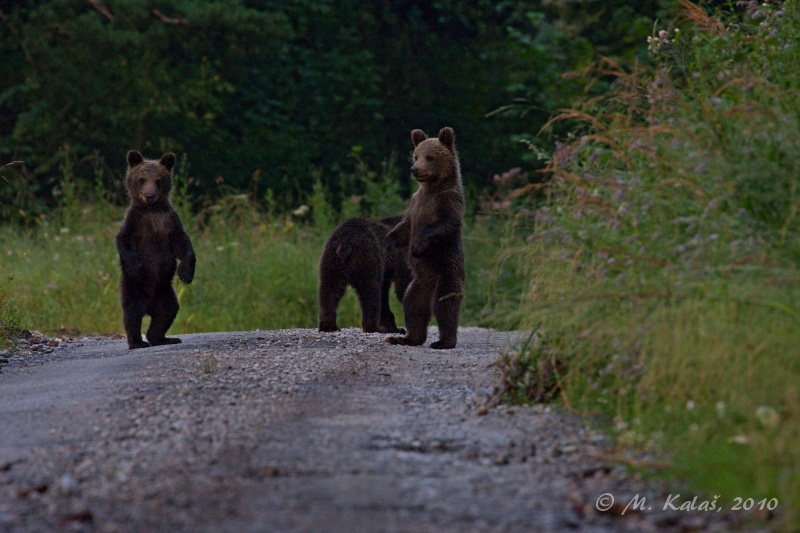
column 10, row 319
column 256, row 268
column 660, row 266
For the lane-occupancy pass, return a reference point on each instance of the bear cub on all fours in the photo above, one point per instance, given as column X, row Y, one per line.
column 355, row 255
column 150, row 242
column 431, row 231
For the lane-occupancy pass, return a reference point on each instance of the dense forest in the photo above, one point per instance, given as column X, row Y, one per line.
column 267, row 96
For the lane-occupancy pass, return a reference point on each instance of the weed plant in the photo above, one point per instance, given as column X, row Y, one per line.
column 10, row 318
column 659, row 264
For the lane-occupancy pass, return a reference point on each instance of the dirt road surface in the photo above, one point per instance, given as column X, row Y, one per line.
column 293, row 430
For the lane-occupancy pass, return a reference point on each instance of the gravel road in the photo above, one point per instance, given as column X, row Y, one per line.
column 294, row 430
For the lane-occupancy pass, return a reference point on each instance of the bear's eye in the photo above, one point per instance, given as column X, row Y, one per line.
column 416, row 157
column 428, row 158
column 141, row 181
column 158, row 183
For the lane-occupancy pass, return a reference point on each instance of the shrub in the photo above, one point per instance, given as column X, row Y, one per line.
column 660, row 266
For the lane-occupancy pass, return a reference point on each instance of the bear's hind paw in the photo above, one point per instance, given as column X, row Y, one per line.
column 165, row 340
column 439, row 345
column 404, row 341
column 138, row 344
column 328, row 327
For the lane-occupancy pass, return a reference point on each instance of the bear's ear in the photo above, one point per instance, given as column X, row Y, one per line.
column 167, row 161
column 447, row 137
column 134, row 158
column 417, row 136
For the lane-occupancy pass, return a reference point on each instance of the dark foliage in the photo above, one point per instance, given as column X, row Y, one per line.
column 258, row 93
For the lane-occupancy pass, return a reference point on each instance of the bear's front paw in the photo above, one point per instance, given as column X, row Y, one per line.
column 397, row 238
column 185, row 274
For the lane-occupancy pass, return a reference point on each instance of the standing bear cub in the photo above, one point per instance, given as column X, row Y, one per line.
column 354, row 254
column 431, row 229
column 150, row 242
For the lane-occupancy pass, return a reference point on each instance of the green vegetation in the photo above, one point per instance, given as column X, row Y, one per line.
column 10, row 319
column 660, row 266
column 255, row 269
column 649, row 239
column 257, row 93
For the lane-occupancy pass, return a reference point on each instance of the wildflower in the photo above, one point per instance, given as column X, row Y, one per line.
column 301, row 211
column 768, row 416
column 739, row 439
column 655, row 43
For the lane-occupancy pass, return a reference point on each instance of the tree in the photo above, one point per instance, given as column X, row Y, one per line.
column 274, row 89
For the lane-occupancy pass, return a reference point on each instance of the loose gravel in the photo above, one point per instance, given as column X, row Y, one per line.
column 294, row 430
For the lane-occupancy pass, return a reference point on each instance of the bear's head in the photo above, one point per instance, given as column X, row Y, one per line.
column 435, row 160
column 149, row 182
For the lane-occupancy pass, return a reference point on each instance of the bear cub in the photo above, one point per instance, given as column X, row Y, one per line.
column 150, row 242
column 355, row 255
column 431, row 231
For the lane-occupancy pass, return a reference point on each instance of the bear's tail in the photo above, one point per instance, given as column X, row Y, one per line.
column 345, row 251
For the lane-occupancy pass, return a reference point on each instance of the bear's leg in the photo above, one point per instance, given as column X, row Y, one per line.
column 402, row 279
column 417, row 311
column 446, row 307
column 331, row 290
column 163, row 311
column 368, row 289
column 387, row 323
column 132, row 313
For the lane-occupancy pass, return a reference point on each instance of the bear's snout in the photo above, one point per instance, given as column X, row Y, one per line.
column 149, row 192
column 420, row 174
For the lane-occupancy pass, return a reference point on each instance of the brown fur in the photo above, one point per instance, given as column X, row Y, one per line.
column 355, row 255
column 431, row 229
column 150, row 242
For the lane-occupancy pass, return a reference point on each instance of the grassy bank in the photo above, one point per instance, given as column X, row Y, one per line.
column 10, row 320
column 659, row 268
column 254, row 270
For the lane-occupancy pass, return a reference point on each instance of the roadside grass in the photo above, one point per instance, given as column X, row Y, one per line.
column 706, row 374
column 10, row 318
column 254, row 271
column 251, row 273
column 659, row 268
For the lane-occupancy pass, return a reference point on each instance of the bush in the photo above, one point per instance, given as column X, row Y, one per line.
column 660, row 263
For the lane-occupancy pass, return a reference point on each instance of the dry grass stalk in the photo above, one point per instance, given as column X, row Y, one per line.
column 699, row 18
